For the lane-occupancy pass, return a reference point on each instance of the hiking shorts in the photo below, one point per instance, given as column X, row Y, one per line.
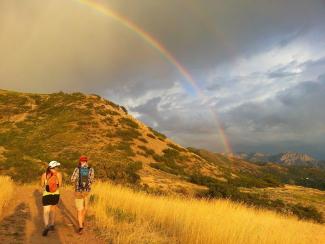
column 50, row 200
column 82, row 200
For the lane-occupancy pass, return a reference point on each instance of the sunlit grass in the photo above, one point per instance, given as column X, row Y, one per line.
column 6, row 191
column 123, row 213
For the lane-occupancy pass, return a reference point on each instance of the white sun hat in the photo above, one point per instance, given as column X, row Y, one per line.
column 54, row 164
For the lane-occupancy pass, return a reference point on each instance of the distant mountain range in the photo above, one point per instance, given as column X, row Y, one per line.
column 286, row 158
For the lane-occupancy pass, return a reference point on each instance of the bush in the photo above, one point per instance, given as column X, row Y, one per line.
column 108, row 121
column 13, row 99
column 124, row 109
column 177, row 148
column 168, row 162
column 158, row 134
column 219, row 189
column 222, row 190
column 261, row 181
column 202, row 180
column 127, row 134
column 143, row 140
column 102, row 112
column 147, row 151
column 112, row 104
column 120, row 169
column 307, row 212
column 170, row 168
column 129, row 122
column 122, row 147
column 151, row 136
column 19, row 168
column 112, row 112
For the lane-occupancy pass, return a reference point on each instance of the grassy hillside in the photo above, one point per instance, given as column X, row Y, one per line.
column 35, row 129
column 38, row 128
column 251, row 181
column 133, row 217
column 265, row 174
column 293, row 194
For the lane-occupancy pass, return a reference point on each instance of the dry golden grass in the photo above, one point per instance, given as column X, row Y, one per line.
column 132, row 217
column 6, row 190
column 293, row 194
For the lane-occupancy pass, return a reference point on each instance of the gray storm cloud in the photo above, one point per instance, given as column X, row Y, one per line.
column 243, row 54
column 49, row 45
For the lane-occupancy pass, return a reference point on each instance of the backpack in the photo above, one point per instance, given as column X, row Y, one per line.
column 52, row 183
column 84, row 177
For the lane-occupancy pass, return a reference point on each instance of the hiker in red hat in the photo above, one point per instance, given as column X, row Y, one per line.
column 82, row 177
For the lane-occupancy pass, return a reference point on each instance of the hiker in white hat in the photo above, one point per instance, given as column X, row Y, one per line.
column 51, row 181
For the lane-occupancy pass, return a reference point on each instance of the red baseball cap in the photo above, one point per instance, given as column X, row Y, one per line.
column 83, row 159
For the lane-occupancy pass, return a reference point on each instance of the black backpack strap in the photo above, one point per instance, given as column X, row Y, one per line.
column 88, row 176
column 79, row 178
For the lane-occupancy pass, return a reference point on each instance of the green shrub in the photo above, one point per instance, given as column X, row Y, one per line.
column 102, row 112
column 119, row 169
column 158, row 134
column 202, row 180
column 112, row 112
column 13, row 99
column 127, row 134
column 307, row 212
column 147, row 151
column 219, row 189
column 89, row 105
column 261, row 181
column 168, row 162
column 143, row 140
column 123, row 147
column 112, row 104
column 151, row 136
column 129, row 122
column 177, row 148
column 124, row 109
column 19, row 168
column 171, row 155
column 120, row 216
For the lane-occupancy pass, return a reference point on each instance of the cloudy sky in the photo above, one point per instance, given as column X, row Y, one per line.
column 258, row 66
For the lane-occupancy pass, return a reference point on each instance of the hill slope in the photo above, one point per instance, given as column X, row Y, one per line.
column 35, row 129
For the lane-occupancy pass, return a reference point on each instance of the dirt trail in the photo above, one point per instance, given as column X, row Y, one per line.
column 22, row 220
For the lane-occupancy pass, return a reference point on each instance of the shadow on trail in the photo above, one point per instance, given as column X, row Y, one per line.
column 38, row 203
column 13, row 227
column 68, row 215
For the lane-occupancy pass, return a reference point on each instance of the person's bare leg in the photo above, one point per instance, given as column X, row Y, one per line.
column 80, row 218
column 52, row 215
column 83, row 217
column 85, row 210
column 46, row 215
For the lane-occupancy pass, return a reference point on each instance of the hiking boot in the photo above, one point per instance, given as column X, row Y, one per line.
column 80, row 231
column 45, row 231
column 52, row 228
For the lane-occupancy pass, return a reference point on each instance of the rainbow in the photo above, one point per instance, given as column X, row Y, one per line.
column 154, row 43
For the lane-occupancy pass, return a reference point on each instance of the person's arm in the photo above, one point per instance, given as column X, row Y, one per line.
column 92, row 175
column 60, row 179
column 42, row 180
column 74, row 175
